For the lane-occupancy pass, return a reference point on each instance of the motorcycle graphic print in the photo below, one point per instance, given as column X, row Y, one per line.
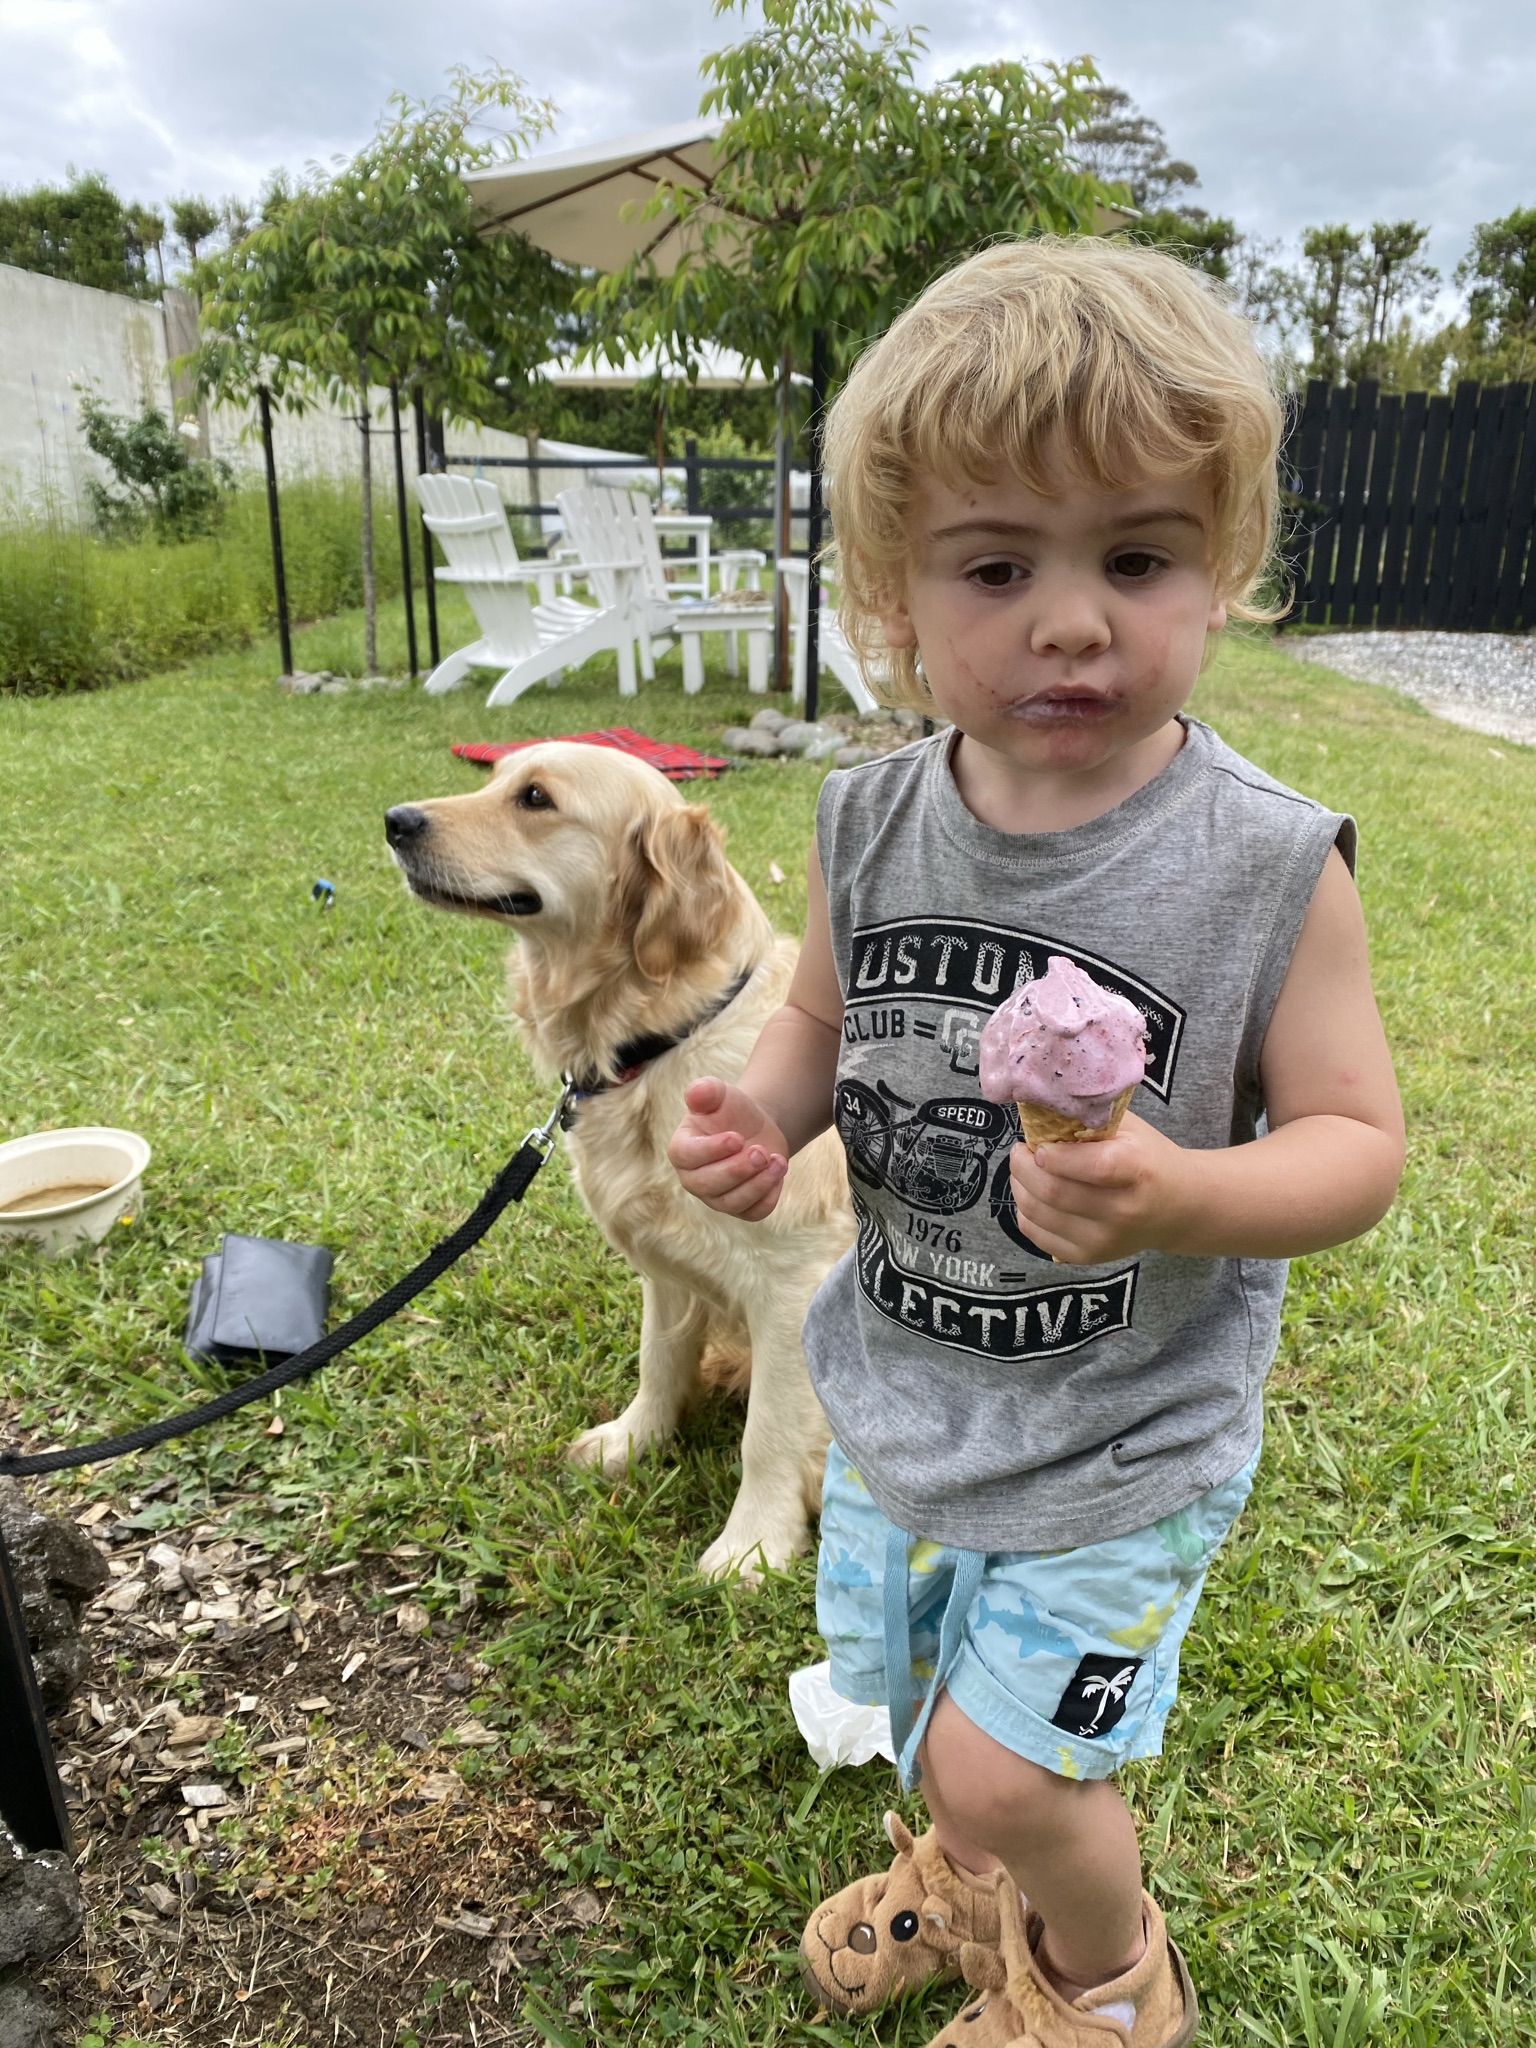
column 933, row 1155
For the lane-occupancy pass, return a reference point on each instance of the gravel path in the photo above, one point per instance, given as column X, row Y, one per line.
column 1483, row 680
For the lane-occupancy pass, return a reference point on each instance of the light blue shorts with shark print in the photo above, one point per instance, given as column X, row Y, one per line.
column 1067, row 1657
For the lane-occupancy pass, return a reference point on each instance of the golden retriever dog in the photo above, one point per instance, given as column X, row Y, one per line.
column 642, row 961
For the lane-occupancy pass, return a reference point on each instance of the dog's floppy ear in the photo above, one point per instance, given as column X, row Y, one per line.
column 674, row 890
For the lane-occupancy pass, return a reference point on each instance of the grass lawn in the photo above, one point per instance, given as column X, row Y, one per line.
column 1342, row 1828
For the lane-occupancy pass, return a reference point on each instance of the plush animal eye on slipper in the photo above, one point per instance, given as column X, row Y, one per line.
column 922, row 1917
column 642, row 962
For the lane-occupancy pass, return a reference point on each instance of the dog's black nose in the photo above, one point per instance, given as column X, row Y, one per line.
column 403, row 823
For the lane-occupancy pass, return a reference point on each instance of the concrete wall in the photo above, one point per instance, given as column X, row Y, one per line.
column 55, row 337
column 52, row 336
column 324, row 440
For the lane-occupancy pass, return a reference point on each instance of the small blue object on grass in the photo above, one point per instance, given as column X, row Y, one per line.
column 323, row 893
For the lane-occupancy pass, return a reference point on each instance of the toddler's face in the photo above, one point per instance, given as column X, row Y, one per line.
column 1059, row 631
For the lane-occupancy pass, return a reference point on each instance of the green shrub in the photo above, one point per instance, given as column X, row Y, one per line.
column 77, row 611
column 721, row 487
column 161, row 487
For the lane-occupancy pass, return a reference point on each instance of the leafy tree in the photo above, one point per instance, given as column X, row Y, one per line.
column 1413, row 357
column 1355, row 294
column 80, row 232
column 1205, row 241
column 1265, row 288
column 1128, row 150
column 719, row 488
column 194, row 221
column 1324, row 295
column 1392, row 276
column 626, row 419
column 160, row 486
column 146, row 231
column 236, row 219
column 1500, row 269
column 1122, row 146
column 845, row 185
column 371, row 272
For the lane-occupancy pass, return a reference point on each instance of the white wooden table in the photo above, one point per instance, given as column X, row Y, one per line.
column 690, row 622
column 698, row 526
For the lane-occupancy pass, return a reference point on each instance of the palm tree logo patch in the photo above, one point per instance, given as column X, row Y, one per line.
column 1096, row 1698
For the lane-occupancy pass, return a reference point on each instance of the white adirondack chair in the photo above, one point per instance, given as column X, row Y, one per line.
column 617, row 524
column 530, row 637
column 832, row 646
column 635, row 510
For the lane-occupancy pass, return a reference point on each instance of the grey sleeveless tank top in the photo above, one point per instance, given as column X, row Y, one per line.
column 990, row 1398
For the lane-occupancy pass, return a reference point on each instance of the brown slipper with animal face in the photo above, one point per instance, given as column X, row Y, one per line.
column 1152, row 2005
column 987, row 2020
column 892, row 1932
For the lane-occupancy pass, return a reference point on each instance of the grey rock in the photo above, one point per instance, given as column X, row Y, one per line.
column 795, row 737
column 902, row 717
column 299, row 684
column 852, row 757
column 742, row 739
column 334, row 689
column 769, row 720
column 57, row 1570
column 41, row 1910
column 823, row 749
column 28, row 2016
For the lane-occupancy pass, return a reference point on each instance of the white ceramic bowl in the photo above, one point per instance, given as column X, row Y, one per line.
column 62, row 1188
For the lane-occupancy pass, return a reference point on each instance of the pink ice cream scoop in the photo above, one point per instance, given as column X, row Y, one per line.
column 1065, row 1047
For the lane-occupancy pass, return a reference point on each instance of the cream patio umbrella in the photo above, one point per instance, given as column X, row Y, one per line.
column 584, row 207
column 715, row 369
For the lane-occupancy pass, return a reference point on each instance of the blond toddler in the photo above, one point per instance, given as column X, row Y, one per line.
column 1053, row 481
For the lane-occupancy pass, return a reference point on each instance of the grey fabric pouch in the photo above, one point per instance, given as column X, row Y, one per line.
column 259, row 1297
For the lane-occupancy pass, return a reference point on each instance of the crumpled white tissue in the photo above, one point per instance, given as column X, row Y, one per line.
column 837, row 1731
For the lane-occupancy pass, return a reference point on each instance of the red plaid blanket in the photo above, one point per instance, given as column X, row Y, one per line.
column 678, row 763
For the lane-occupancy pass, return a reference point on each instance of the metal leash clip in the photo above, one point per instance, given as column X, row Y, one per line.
column 542, row 1138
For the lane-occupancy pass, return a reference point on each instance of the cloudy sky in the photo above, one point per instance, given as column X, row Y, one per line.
column 1314, row 110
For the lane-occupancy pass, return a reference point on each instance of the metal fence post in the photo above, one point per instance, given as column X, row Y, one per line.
column 428, row 567
column 279, row 579
column 813, row 508
column 403, row 521
column 31, row 1795
column 783, row 525
column 691, row 458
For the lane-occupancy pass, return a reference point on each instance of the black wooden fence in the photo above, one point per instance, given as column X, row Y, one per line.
column 1413, row 510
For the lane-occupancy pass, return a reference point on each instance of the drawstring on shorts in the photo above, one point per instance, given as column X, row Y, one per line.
column 907, row 1732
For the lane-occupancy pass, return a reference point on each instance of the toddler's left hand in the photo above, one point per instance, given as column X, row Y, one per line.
column 1087, row 1204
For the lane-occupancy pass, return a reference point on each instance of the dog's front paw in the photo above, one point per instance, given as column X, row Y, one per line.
column 611, row 1445
column 744, row 1552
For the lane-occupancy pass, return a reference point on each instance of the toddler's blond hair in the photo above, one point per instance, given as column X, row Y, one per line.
column 1117, row 359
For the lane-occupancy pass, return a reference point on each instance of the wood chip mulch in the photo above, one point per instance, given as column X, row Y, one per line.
column 294, row 1823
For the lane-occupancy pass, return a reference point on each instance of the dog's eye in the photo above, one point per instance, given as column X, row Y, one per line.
column 904, row 1926
column 533, row 796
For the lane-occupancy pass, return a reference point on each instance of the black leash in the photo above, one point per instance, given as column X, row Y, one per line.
column 510, row 1185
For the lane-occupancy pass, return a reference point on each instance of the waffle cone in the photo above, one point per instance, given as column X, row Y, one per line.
column 1044, row 1126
